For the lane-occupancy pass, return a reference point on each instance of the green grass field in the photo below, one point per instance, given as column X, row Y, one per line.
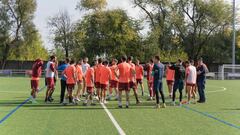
column 219, row 116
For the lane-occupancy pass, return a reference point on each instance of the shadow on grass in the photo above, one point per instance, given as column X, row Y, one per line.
column 142, row 106
column 11, row 102
column 231, row 109
column 112, row 105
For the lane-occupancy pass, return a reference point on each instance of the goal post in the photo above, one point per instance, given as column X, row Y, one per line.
column 229, row 72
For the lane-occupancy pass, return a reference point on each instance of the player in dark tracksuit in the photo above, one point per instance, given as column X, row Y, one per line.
column 201, row 80
column 158, row 72
column 179, row 80
column 63, row 82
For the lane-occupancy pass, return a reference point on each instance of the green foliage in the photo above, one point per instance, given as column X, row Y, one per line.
column 31, row 48
column 202, row 19
column 92, row 4
column 186, row 25
column 111, row 33
column 19, row 39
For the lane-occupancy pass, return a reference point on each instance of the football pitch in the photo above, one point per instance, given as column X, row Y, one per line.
column 219, row 116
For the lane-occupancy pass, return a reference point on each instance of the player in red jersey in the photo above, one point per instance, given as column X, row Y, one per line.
column 36, row 74
column 70, row 74
column 114, row 80
column 150, row 79
column 105, row 77
column 89, row 78
column 79, row 74
column 124, row 78
column 97, row 74
column 133, row 83
column 139, row 75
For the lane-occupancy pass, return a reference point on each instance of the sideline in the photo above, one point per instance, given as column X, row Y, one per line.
column 16, row 108
column 212, row 117
column 120, row 130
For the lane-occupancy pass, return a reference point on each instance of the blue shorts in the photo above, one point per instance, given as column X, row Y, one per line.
column 157, row 86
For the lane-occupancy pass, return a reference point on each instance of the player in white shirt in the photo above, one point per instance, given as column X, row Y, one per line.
column 191, row 78
column 85, row 67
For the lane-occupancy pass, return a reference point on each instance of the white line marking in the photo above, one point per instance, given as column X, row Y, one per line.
column 220, row 90
column 120, row 130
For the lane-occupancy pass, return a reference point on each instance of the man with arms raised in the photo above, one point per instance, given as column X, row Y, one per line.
column 36, row 74
column 178, row 80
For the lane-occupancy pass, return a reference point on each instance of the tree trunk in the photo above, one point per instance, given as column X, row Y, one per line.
column 5, row 55
column 66, row 53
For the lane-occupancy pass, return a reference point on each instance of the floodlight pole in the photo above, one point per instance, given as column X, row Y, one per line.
column 234, row 34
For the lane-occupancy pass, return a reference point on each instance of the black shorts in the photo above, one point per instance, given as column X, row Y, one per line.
column 97, row 85
column 139, row 81
column 132, row 85
column 123, row 87
column 70, row 86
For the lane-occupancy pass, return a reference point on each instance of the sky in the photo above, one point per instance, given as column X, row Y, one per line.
column 48, row 8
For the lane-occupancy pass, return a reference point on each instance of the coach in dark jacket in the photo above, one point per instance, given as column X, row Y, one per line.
column 202, row 70
column 63, row 79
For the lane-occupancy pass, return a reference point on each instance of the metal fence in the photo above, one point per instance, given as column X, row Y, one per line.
column 27, row 73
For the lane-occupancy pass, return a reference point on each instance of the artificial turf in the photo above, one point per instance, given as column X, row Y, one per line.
column 219, row 116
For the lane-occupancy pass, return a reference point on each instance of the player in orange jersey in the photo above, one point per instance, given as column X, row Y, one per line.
column 97, row 74
column 114, row 80
column 139, row 75
column 70, row 74
column 79, row 74
column 105, row 77
column 89, row 78
column 133, row 83
column 170, row 79
column 124, row 78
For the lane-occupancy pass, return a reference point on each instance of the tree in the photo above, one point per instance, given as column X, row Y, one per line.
column 92, row 4
column 61, row 26
column 185, row 25
column 14, row 14
column 157, row 12
column 197, row 20
column 162, row 39
column 110, row 33
column 31, row 48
